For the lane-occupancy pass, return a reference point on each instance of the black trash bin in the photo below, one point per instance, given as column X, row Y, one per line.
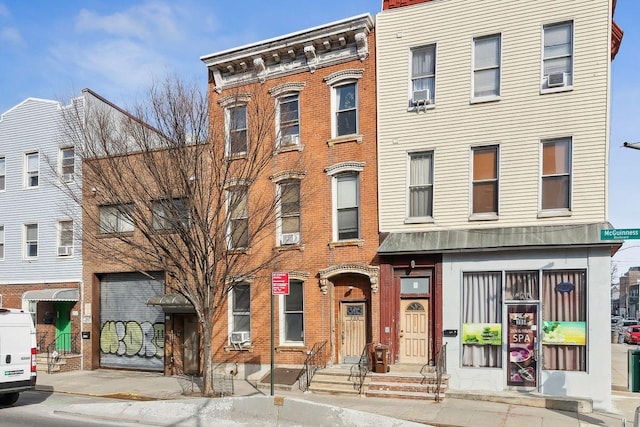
column 633, row 364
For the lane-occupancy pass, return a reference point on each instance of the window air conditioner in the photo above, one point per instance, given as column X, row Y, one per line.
column 557, row 80
column 290, row 239
column 241, row 337
column 65, row 251
column 67, row 177
column 290, row 140
column 421, row 97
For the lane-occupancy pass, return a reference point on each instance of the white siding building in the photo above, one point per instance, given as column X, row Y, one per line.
column 493, row 124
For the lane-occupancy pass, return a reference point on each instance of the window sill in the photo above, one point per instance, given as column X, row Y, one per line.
column 238, row 251
column 484, row 99
column 284, row 248
column 287, row 148
column 414, row 109
column 344, row 243
column 292, row 348
column 554, row 213
column 114, row 234
column 544, row 91
column 419, row 220
column 229, row 348
column 236, row 156
column 357, row 138
column 484, row 217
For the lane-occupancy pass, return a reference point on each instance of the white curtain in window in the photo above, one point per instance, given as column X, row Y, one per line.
column 482, row 303
column 420, row 188
column 487, row 67
column 557, row 49
column 423, row 69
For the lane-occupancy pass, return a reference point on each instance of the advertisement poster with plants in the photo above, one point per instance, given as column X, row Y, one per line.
column 482, row 333
column 564, row 333
column 521, row 345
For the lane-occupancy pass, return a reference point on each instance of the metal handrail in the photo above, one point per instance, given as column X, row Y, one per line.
column 441, row 368
column 316, row 359
column 62, row 344
column 361, row 369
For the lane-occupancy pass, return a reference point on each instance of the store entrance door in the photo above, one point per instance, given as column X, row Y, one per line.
column 522, row 345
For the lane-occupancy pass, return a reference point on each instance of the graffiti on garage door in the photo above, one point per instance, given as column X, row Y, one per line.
column 132, row 338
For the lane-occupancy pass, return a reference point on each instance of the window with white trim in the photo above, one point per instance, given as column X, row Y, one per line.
column 32, row 170
column 1, row 241
column 288, row 120
column 67, row 164
column 484, row 194
column 486, row 66
column 3, row 173
column 240, row 308
column 237, row 138
column 420, row 185
column 556, row 174
column 289, row 212
column 65, row 238
column 238, row 226
column 423, row 75
column 293, row 313
column 116, row 218
column 345, row 109
column 347, row 204
column 30, row 240
column 557, row 56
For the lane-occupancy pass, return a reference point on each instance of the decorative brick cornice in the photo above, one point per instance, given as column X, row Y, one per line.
column 372, row 272
column 283, row 88
column 342, row 75
column 345, row 166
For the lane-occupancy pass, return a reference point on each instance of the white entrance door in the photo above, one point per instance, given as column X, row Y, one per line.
column 353, row 331
column 414, row 335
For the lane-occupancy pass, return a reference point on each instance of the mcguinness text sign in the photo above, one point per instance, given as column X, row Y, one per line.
column 620, row 234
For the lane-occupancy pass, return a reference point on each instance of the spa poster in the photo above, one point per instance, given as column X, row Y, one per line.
column 521, row 342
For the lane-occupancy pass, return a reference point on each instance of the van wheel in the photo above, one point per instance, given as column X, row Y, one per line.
column 8, row 399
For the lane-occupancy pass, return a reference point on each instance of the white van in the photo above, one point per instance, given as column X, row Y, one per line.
column 17, row 354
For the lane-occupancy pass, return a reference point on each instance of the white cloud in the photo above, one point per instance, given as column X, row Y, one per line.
column 144, row 22
column 11, row 35
column 4, row 11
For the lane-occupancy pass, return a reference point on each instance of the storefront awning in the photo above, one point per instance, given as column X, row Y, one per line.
column 493, row 239
column 63, row 294
column 172, row 303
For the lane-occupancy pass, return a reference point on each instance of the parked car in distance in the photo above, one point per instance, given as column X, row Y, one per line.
column 614, row 322
column 623, row 324
column 632, row 334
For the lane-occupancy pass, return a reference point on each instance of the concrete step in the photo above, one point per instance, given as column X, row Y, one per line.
column 394, row 394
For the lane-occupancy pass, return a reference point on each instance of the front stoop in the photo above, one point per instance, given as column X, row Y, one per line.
column 336, row 381
column 65, row 363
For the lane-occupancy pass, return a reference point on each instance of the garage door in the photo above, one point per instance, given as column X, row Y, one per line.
column 131, row 332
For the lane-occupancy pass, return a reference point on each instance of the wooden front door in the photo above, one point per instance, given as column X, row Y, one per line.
column 191, row 341
column 414, row 335
column 353, row 331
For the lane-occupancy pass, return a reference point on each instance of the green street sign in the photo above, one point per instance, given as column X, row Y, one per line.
column 620, row 234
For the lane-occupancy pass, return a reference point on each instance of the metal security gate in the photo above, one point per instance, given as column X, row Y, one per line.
column 131, row 332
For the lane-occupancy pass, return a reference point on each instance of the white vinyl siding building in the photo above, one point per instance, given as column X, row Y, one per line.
column 548, row 115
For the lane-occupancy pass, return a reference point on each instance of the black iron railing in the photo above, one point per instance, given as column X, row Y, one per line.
column 61, row 345
column 441, row 368
column 360, row 370
column 316, row 359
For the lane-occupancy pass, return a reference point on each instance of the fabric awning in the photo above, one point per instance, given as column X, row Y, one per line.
column 172, row 303
column 60, row 294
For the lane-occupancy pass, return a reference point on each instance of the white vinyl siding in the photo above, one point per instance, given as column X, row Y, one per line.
column 518, row 122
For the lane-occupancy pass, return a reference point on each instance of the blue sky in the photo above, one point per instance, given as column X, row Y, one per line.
column 54, row 49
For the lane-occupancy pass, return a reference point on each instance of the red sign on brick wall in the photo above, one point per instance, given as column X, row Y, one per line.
column 279, row 283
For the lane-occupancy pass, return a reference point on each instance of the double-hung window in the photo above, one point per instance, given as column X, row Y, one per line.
column 116, row 218
column 169, row 214
column 346, row 109
column 423, row 75
column 32, row 170
column 31, row 240
column 348, row 205
column 289, row 120
column 1, row 241
column 67, row 164
column 241, row 308
column 420, row 185
column 237, row 130
column 65, row 238
column 556, row 174
column 293, row 313
column 557, row 56
column 3, row 173
column 289, row 207
column 486, row 66
column 485, row 180
column 238, row 208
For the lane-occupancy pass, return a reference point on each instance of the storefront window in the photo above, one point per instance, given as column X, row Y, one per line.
column 522, row 286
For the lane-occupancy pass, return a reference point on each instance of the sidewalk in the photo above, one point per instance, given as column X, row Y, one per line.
column 297, row 408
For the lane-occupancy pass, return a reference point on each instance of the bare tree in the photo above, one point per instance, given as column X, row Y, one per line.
column 178, row 199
